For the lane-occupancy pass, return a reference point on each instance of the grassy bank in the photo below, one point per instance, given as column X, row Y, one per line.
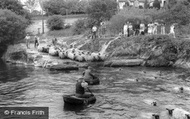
column 156, row 50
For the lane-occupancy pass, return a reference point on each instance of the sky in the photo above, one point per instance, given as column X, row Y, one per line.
column 38, row 7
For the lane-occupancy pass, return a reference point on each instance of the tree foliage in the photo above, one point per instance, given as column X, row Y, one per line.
column 15, row 7
column 179, row 13
column 156, row 4
column 12, row 27
column 55, row 22
column 62, row 7
column 101, row 10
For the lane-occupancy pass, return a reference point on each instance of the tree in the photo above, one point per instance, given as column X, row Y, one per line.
column 179, row 13
column 156, row 4
column 12, row 28
column 14, row 6
column 54, row 7
column 146, row 5
column 171, row 3
column 101, row 10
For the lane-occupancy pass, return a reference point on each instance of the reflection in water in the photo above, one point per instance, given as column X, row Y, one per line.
column 12, row 72
column 118, row 95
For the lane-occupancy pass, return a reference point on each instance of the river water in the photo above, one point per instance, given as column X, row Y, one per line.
column 119, row 96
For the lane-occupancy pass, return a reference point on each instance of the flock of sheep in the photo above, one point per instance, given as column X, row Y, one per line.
column 72, row 53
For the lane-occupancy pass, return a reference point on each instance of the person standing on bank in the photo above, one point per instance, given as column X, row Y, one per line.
column 27, row 38
column 94, row 32
column 172, row 30
column 36, row 41
column 125, row 29
column 163, row 31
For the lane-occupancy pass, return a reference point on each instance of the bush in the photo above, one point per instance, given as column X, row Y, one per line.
column 116, row 24
column 55, row 22
column 79, row 26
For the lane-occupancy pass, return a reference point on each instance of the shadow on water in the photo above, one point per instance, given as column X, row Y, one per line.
column 13, row 73
column 75, row 108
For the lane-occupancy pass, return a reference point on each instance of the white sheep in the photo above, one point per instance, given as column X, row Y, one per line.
column 150, row 102
column 150, row 116
column 167, row 114
column 179, row 113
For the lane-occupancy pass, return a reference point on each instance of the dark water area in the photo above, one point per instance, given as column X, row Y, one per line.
column 124, row 93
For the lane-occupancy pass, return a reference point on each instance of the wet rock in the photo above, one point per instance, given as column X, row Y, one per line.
column 123, row 63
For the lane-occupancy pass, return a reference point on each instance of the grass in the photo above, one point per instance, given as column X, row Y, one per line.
column 60, row 33
column 65, row 16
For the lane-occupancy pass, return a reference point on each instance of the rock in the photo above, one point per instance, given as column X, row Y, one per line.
column 124, row 63
column 63, row 67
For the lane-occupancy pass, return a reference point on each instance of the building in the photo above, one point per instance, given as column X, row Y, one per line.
column 138, row 3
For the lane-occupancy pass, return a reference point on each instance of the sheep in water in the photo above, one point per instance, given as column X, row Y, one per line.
column 167, row 114
column 150, row 116
column 150, row 102
column 155, row 116
column 179, row 113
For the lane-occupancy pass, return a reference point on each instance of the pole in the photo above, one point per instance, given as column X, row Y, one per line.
column 42, row 22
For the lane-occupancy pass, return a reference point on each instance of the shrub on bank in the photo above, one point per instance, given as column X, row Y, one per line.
column 55, row 22
column 79, row 26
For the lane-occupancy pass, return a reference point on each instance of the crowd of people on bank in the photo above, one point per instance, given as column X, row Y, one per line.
column 140, row 28
column 150, row 28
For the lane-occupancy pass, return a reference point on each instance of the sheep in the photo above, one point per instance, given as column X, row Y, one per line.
column 155, row 116
column 150, row 102
column 167, row 114
column 179, row 113
column 150, row 116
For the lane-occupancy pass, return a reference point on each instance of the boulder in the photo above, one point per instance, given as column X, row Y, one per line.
column 124, row 63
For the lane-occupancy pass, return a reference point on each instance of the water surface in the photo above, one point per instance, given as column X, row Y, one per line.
column 119, row 96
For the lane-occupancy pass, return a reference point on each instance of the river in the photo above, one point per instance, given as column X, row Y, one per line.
column 119, row 96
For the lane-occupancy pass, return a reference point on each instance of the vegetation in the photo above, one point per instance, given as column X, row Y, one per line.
column 55, row 22
column 15, row 7
column 156, row 50
column 64, row 7
column 101, row 10
column 156, row 4
column 12, row 28
column 179, row 13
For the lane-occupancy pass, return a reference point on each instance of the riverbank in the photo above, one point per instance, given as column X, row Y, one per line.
column 153, row 51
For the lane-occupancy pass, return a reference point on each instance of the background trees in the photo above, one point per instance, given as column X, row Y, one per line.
column 63, row 7
column 101, row 10
column 156, row 4
column 15, row 7
column 13, row 22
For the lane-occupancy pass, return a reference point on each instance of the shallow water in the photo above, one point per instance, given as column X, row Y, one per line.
column 119, row 96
